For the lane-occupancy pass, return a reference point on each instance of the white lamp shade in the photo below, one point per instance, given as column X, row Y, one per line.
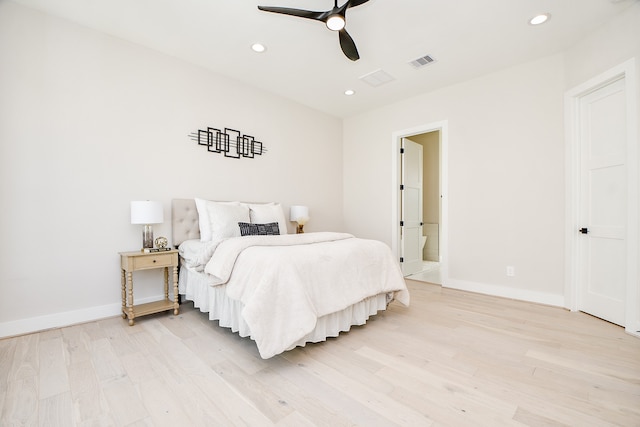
column 146, row 212
column 299, row 214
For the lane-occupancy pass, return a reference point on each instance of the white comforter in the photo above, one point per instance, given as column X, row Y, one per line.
column 287, row 282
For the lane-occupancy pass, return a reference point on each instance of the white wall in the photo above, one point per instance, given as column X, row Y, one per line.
column 88, row 123
column 605, row 48
column 505, row 177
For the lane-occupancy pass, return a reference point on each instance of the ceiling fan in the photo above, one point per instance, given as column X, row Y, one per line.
column 334, row 19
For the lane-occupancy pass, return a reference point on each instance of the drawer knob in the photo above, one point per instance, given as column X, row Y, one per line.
column 154, row 260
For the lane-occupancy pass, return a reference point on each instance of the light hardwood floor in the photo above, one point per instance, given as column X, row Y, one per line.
column 451, row 359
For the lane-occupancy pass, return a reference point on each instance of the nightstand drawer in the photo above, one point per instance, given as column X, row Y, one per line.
column 152, row 261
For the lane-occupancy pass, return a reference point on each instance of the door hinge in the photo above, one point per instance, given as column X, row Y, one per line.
column 401, row 259
column 401, row 187
column 401, row 223
column 402, row 151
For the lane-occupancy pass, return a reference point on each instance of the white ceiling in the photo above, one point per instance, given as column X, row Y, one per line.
column 303, row 61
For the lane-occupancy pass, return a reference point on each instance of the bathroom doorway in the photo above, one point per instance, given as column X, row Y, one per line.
column 433, row 241
column 430, row 242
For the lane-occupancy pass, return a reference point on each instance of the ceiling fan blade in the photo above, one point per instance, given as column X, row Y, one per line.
column 348, row 45
column 354, row 3
column 309, row 14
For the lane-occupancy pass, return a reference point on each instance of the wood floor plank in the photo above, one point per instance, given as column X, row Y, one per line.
column 90, row 405
column 536, row 420
column 25, row 362
column 305, row 400
column 237, row 410
column 107, row 364
column 262, row 396
column 56, row 410
column 340, row 406
column 295, row 419
column 445, row 388
column 53, row 368
column 349, row 364
column 21, row 403
column 163, row 408
column 3, row 395
column 7, row 356
column 380, row 403
column 77, row 344
column 125, row 402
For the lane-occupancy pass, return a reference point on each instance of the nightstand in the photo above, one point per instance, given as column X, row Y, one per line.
column 138, row 260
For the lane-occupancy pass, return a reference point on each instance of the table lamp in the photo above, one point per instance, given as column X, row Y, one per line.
column 299, row 214
column 147, row 213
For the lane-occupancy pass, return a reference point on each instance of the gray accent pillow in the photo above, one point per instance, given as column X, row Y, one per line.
column 270, row 229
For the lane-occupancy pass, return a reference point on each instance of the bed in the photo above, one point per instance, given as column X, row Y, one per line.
column 281, row 290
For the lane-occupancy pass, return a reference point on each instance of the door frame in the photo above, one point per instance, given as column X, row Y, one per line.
column 627, row 72
column 396, row 141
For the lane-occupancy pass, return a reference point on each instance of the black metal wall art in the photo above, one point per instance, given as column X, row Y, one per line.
column 231, row 142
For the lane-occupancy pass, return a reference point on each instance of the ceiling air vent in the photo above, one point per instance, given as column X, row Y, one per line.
column 422, row 61
column 377, row 78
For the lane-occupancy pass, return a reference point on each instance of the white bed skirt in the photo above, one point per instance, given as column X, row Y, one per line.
column 213, row 300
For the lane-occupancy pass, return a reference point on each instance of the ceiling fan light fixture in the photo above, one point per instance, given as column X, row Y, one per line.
column 334, row 19
column 336, row 22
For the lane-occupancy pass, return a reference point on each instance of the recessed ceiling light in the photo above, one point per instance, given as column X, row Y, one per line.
column 540, row 19
column 349, row 92
column 258, row 47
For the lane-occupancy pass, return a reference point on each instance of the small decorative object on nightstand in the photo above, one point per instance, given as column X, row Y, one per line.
column 161, row 246
column 161, row 242
column 299, row 214
column 136, row 261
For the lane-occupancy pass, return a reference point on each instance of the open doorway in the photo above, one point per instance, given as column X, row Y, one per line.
column 432, row 140
column 429, row 270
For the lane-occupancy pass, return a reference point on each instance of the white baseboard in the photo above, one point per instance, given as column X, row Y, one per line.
column 634, row 329
column 506, row 292
column 67, row 318
column 634, row 332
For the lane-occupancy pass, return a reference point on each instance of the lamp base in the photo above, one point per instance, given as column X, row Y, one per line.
column 300, row 230
column 147, row 237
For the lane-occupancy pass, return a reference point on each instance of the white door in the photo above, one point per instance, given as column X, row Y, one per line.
column 411, row 207
column 603, row 207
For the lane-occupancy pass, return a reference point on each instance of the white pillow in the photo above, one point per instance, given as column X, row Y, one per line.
column 203, row 218
column 224, row 219
column 266, row 213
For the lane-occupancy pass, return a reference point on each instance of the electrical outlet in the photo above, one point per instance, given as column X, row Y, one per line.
column 511, row 271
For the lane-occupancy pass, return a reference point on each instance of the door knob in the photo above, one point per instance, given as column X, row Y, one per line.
column 584, row 230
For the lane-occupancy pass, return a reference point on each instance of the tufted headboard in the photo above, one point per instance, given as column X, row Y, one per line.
column 184, row 221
